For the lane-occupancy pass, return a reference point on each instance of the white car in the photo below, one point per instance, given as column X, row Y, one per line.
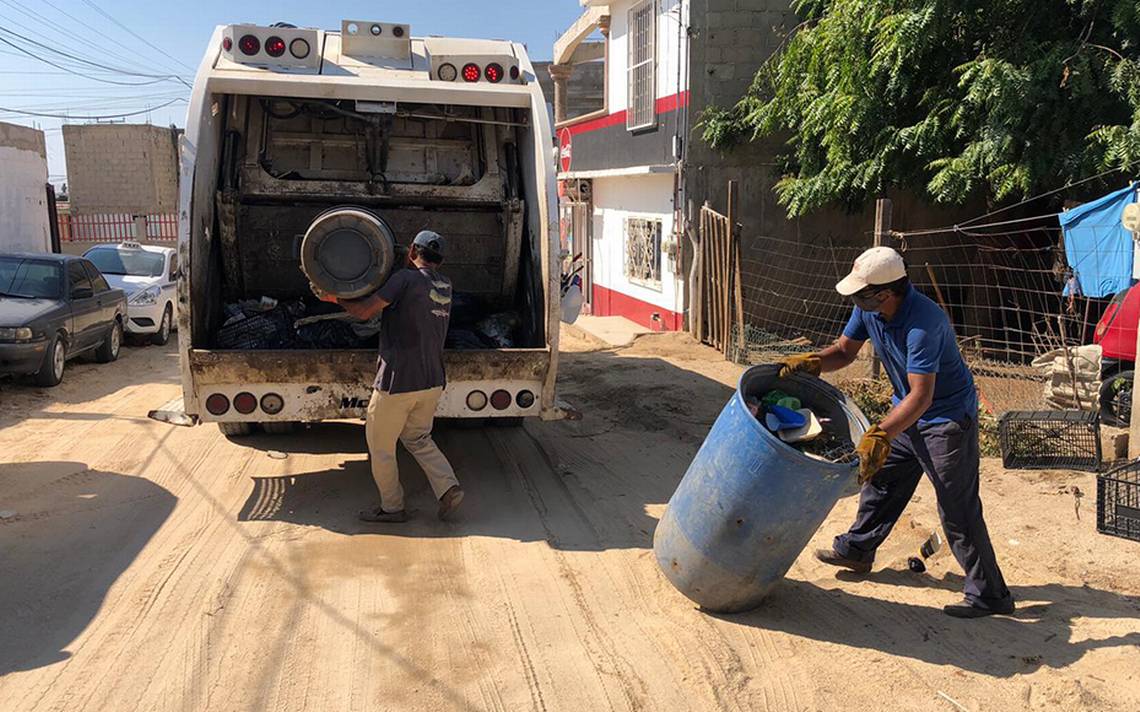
column 148, row 275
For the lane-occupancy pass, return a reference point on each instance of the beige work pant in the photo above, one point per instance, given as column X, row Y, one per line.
column 407, row 417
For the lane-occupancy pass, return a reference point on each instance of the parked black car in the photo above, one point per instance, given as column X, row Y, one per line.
column 54, row 307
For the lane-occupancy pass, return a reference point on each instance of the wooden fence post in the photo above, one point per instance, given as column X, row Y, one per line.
column 737, row 255
column 882, row 231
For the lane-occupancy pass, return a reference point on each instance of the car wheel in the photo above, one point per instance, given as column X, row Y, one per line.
column 163, row 335
column 55, row 359
column 109, row 350
column 1116, row 399
column 235, row 430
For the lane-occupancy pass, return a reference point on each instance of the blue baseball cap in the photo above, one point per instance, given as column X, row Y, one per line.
column 430, row 240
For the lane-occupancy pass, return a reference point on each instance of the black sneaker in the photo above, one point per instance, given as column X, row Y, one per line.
column 831, row 558
column 969, row 609
column 378, row 515
column 449, row 502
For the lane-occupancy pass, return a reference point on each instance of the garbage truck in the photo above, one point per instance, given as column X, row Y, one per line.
column 362, row 137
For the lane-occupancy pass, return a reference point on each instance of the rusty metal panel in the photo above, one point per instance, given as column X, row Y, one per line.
column 356, row 366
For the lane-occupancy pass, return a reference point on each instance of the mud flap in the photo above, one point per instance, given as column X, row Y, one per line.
column 174, row 413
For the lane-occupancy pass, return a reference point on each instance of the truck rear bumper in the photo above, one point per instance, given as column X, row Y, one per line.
column 326, row 385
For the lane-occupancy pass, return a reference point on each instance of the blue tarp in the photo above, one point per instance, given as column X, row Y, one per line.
column 1097, row 246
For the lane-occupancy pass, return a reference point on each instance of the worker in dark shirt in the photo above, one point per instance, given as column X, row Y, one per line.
column 416, row 303
column 931, row 427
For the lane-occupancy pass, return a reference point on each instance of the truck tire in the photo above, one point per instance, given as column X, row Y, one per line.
column 55, row 359
column 108, row 351
column 162, row 336
column 279, row 427
column 235, row 430
column 1116, row 399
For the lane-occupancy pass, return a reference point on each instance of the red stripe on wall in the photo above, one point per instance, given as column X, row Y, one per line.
column 665, row 105
column 609, row 302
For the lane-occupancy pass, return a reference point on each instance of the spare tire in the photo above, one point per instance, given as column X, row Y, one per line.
column 348, row 252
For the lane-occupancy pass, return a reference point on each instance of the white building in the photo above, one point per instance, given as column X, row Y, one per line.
column 24, row 217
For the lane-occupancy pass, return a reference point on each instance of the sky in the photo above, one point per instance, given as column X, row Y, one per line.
column 160, row 44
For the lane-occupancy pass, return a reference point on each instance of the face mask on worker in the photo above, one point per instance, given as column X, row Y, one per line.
column 870, row 299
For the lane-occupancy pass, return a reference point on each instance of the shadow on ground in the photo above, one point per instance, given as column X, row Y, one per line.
column 1038, row 635
column 68, row 533
column 587, row 485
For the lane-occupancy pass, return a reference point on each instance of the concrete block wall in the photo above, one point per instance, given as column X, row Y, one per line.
column 121, row 168
column 24, row 222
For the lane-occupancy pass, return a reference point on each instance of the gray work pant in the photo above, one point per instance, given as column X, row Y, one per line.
column 948, row 453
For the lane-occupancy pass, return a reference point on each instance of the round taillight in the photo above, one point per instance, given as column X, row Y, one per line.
column 514, row 73
column 245, row 403
column 249, row 44
column 524, row 399
column 272, row 403
column 500, row 400
column 447, row 72
column 494, row 73
column 275, row 46
column 376, row 30
column 299, row 48
column 476, row 400
column 471, row 72
column 227, row 43
column 398, row 31
column 217, row 404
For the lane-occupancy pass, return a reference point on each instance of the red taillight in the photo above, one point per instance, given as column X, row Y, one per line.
column 494, row 73
column 245, row 403
column 471, row 72
column 514, row 73
column 249, row 44
column 217, row 404
column 227, row 43
column 398, row 31
column 500, row 400
column 275, row 46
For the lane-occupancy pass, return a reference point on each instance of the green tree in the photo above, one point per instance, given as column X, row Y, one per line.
column 956, row 98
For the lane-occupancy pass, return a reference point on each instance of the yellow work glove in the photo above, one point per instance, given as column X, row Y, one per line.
column 873, row 450
column 801, row 363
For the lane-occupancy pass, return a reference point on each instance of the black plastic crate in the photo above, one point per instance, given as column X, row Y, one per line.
column 1118, row 501
column 1050, row 440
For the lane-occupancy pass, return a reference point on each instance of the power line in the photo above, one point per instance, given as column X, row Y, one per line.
column 91, row 118
column 75, row 71
column 137, row 36
column 82, row 60
column 1047, row 194
column 49, row 24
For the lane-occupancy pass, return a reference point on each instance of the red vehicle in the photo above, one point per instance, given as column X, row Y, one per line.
column 1116, row 335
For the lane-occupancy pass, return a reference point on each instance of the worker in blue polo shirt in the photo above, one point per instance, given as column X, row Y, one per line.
column 931, row 427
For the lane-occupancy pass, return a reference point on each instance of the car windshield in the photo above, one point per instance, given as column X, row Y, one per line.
column 29, row 278
column 136, row 263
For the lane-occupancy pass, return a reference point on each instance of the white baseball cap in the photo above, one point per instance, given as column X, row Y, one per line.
column 877, row 266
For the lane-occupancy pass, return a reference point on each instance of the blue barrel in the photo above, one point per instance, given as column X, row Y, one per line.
column 749, row 502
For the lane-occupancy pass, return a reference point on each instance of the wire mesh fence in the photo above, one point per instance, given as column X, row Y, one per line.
column 1011, row 297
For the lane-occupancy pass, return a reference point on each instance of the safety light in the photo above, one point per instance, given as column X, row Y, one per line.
column 500, row 400
column 524, row 399
column 447, row 72
column 476, row 400
column 299, row 48
column 471, row 72
column 275, row 46
column 245, row 403
column 514, row 73
column 376, row 30
column 272, row 403
column 249, row 45
column 398, row 31
column 494, row 73
column 227, row 43
column 217, row 404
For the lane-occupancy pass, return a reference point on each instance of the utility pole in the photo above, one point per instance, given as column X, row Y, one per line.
column 883, row 210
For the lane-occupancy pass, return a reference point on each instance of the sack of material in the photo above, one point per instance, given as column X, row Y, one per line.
column 1060, row 366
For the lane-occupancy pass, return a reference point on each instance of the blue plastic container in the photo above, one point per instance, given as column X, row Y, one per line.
column 749, row 502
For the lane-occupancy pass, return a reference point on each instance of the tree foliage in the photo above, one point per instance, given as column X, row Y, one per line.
column 957, row 98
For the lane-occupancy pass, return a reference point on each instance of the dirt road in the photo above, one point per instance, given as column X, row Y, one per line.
column 147, row 567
